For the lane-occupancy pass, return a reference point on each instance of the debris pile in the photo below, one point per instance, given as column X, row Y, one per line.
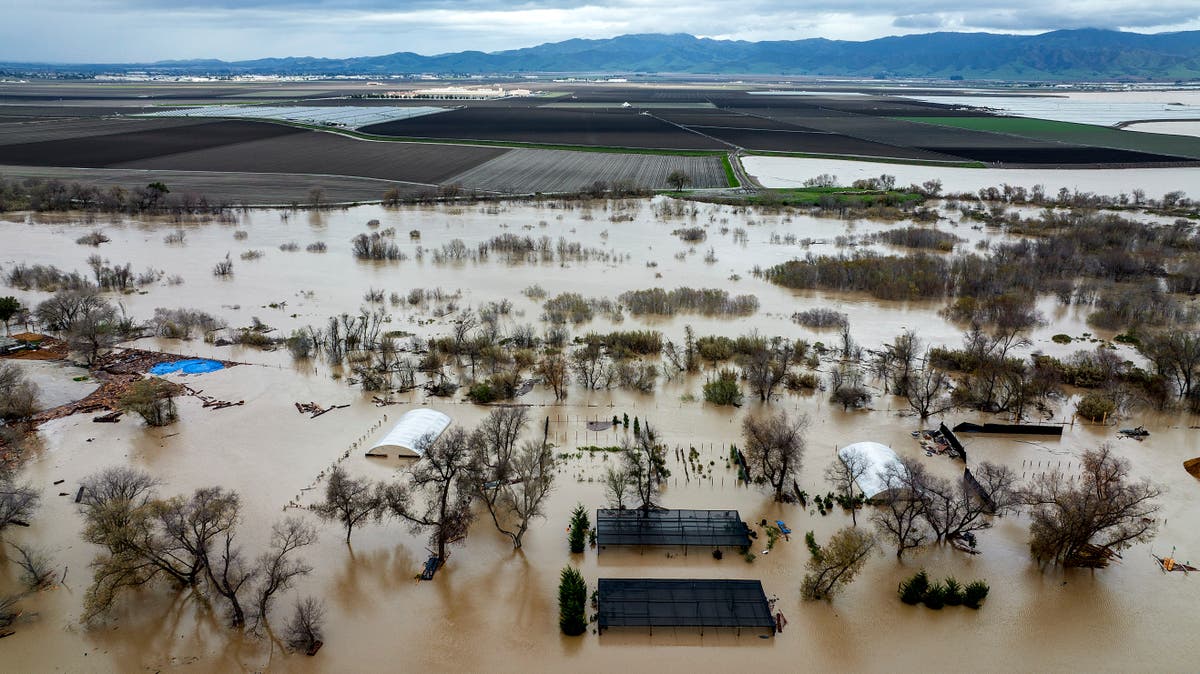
column 316, row 410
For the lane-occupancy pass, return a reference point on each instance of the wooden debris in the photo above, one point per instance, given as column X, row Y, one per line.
column 316, row 646
column 316, row 410
column 110, row 418
column 1091, row 556
column 79, row 496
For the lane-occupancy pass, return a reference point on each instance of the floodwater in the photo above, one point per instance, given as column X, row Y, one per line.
column 1106, row 108
column 793, row 171
column 493, row 609
column 1181, row 128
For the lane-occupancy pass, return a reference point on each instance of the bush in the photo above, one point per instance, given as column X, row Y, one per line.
column 1061, row 338
column 152, row 399
column 935, row 596
column 975, row 593
column 572, row 602
column 481, row 393
column 724, row 390
column 953, row 592
column 912, row 591
column 1096, row 407
column 579, row 527
column 821, row 318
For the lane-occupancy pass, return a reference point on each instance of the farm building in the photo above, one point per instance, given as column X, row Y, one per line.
column 706, row 528
column 878, row 457
column 411, row 434
column 659, row 602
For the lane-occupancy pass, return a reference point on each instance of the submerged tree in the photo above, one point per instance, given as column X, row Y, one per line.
column 572, row 602
column 844, row 472
column 304, row 629
column 775, row 446
column 153, row 400
column 1100, row 507
column 833, row 566
column 900, row 516
column 348, row 500
column 512, row 482
column 644, row 460
column 438, row 495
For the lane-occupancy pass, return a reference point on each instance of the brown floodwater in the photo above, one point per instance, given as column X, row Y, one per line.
column 493, row 609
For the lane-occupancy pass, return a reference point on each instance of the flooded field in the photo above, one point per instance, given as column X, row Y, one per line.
column 792, row 172
column 495, row 609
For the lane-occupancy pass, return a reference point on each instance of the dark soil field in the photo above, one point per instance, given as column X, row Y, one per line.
column 117, row 148
column 549, row 127
column 822, row 143
column 328, row 153
column 530, row 170
column 724, row 118
column 230, row 188
column 42, row 130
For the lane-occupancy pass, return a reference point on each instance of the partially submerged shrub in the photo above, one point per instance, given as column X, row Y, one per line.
column 152, row 399
column 821, row 318
column 912, row 591
column 94, row 238
column 975, row 593
column 572, row 602
column 723, row 389
column 1096, row 407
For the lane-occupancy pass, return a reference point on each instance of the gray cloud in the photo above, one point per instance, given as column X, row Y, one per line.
column 146, row 30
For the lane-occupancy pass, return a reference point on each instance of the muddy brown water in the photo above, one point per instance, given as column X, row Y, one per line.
column 493, row 609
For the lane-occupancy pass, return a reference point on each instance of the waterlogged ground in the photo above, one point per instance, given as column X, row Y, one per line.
column 495, row 610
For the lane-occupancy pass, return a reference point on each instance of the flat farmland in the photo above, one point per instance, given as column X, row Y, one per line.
column 822, row 143
column 531, row 170
column 329, row 153
column 723, row 118
column 624, row 128
column 41, row 130
column 231, row 188
column 112, row 149
column 1070, row 132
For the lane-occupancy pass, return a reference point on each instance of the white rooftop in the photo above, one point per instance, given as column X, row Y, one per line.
column 878, row 457
column 412, row 433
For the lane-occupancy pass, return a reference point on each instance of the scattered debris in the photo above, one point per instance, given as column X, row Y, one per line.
column 431, row 566
column 599, row 425
column 1138, row 433
column 1167, row 564
column 316, row 410
column 110, row 418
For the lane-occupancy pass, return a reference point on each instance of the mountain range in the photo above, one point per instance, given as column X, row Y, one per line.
column 1086, row 54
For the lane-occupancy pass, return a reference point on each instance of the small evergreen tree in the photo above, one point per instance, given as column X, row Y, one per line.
column 572, row 598
column 579, row 526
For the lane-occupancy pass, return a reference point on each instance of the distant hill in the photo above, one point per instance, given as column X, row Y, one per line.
column 1088, row 54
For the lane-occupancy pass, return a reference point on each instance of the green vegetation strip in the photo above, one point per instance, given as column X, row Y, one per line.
column 730, row 174
column 1070, row 132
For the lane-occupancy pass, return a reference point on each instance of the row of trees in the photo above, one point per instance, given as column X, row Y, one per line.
column 489, row 466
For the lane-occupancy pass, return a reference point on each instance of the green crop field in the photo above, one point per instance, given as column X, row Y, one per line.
column 1068, row 132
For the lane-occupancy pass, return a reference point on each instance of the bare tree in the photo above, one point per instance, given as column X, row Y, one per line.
column 644, row 460
column 93, row 332
column 37, row 567
column 593, row 370
column 834, row 565
column 514, row 501
column 276, row 567
column 348, row 500
column 1100, row 507
column 18, row 395
column 18, row 502
column 617, row 485
column 954, row 508
column 767, row 365
column 553, row 371
column 303, row 631
column 62, row 309
column 927, row 390
column 900, row 516
column 438, row 495
column 775, row 447
column 512, row 482
column 844, row 472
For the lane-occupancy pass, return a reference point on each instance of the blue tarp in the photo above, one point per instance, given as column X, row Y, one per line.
column 189, row 366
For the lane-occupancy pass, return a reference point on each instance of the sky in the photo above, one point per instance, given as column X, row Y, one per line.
column 123, row 31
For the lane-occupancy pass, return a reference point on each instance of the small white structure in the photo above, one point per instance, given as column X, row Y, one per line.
column 411, row 434
column 878, row 457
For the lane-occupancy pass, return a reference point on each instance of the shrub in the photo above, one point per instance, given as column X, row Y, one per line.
column 724, row 389
column 481, row 392
column 935, row 596
column 224, row 267
column 318, row 247
column 912, row 591
column 375, row 246
column 953, row 592
column 975, row 593
column 1061, row 338
column 579, row 527
column 572, row 602
column 1096, row 407
column 94, row 238
column 152, row 399
column 821, row 318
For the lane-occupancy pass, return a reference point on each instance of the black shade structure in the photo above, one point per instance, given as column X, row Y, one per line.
column 655, row 602
column 713, row 528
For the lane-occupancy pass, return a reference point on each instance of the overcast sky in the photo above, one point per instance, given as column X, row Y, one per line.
column 151, row 30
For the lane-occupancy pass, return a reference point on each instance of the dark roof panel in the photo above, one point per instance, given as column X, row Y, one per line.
column 653, row 602
column 671, row 527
